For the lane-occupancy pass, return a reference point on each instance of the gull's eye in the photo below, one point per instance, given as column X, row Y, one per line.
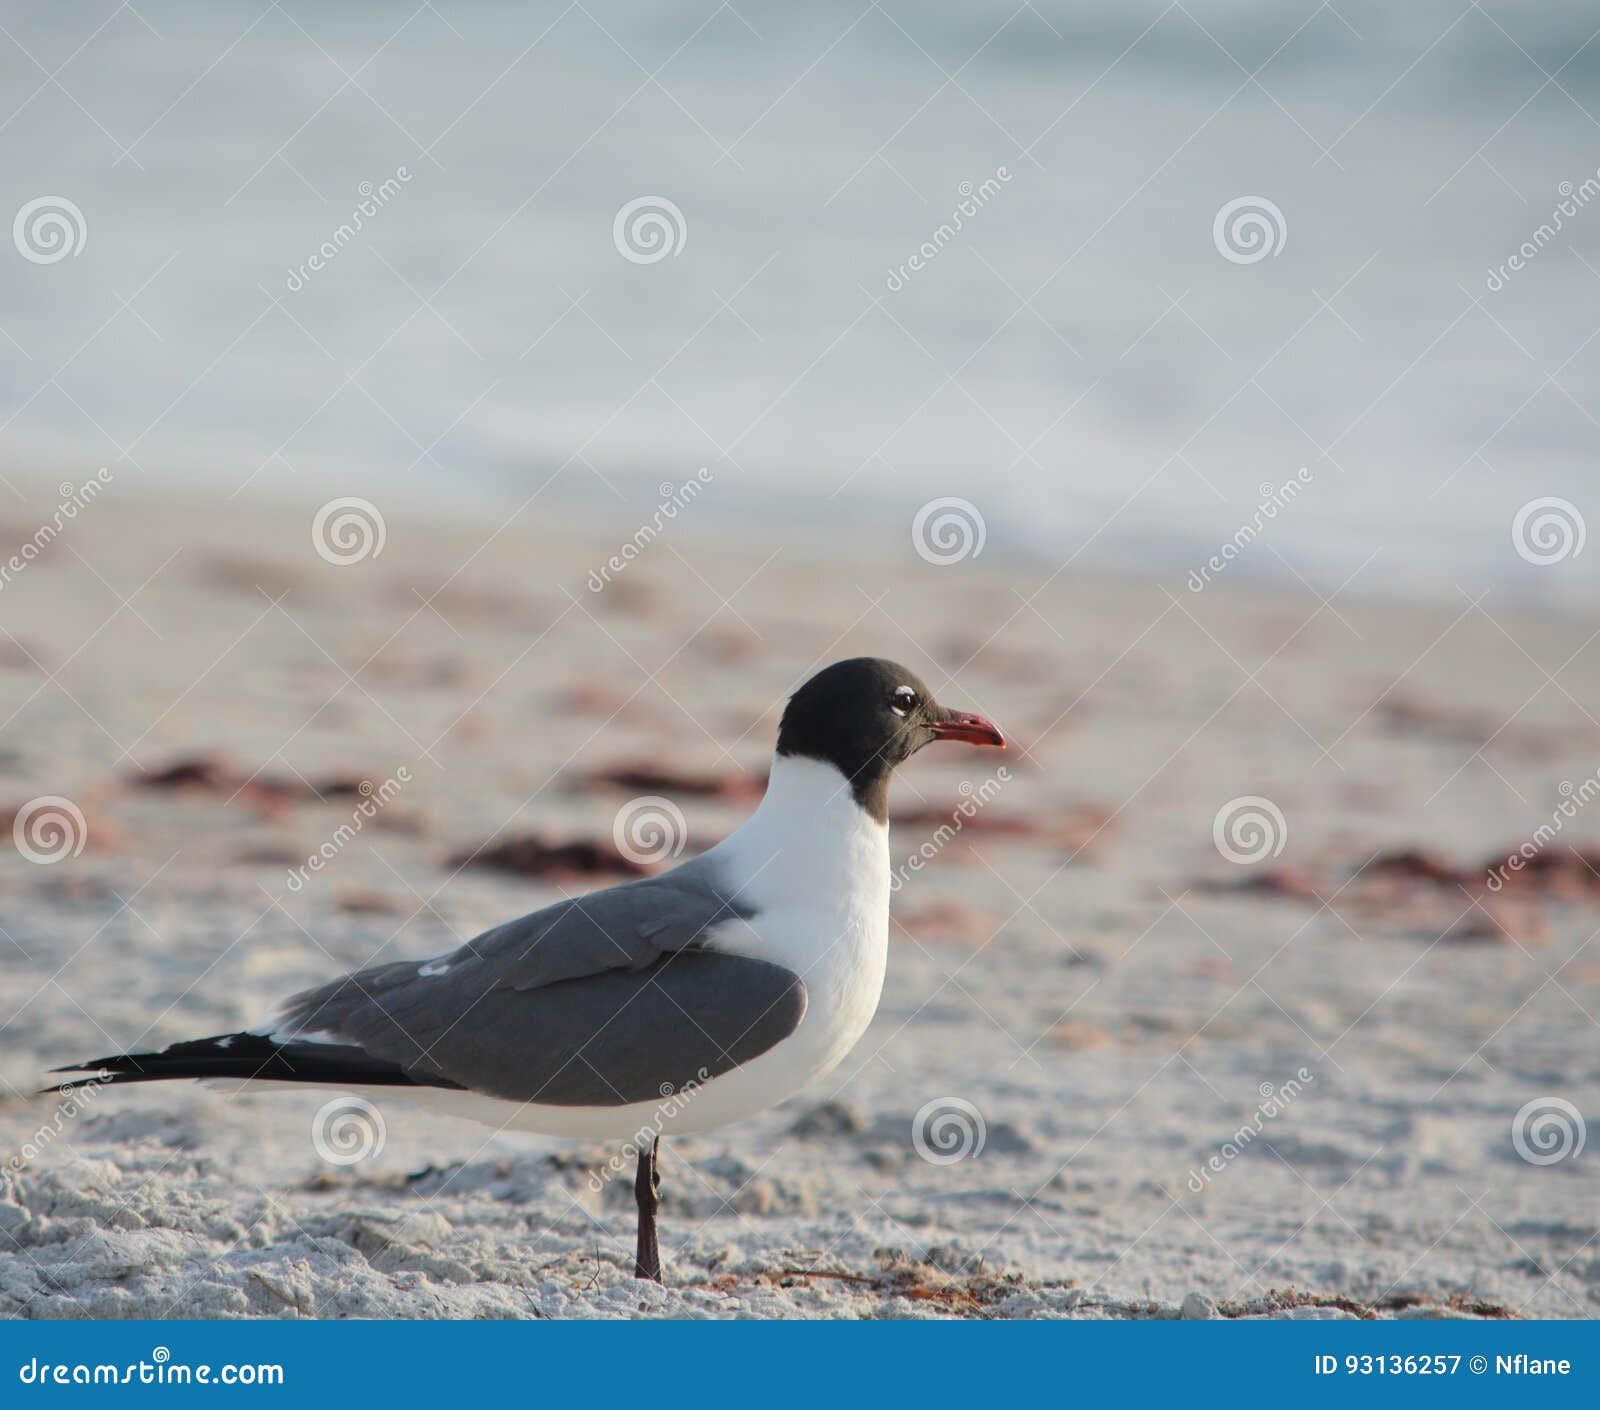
column 904, row 700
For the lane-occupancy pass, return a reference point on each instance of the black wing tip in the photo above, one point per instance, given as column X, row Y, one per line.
column 246, row 1057
column 99, row 1072
column 117, row 1067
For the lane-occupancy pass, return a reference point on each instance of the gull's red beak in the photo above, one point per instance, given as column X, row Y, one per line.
column 969, row 729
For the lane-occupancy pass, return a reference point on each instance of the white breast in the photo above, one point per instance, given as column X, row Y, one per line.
column 814, row 867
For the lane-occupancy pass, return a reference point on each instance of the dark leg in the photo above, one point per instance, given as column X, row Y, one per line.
column 646, row 1193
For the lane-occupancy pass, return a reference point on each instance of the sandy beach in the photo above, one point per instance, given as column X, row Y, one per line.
column 1209, row 1006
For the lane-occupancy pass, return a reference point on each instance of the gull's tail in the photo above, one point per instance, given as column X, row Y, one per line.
column 248, row 1057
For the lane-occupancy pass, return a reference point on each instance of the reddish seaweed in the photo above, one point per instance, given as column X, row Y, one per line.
column 539, row 858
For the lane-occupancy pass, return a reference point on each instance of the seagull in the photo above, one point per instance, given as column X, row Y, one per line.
column 681, row 1001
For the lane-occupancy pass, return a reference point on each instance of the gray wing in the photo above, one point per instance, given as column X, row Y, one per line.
column 603, row 1000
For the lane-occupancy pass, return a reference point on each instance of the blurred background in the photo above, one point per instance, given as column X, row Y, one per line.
column 1080, row 358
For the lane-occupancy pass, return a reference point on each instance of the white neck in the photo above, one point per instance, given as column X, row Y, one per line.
column 810, row 832
column 812, row 866
column 802, row 786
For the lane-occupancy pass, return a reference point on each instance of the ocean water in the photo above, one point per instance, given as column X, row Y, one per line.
column 1112, row 274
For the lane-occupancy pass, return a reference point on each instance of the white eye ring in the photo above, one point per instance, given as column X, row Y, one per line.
column 904, row 701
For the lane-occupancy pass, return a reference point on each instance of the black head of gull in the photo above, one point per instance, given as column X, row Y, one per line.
column 867, row 715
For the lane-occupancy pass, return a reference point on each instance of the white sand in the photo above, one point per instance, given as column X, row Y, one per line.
column 1111, row 1021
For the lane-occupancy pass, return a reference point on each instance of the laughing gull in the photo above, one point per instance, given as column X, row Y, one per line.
column 677, row 1002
